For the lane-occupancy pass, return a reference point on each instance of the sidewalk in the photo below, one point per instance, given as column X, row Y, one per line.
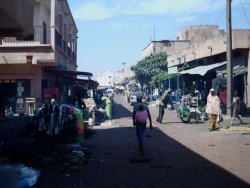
column 224, row 126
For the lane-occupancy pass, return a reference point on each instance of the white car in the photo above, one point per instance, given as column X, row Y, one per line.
column 134, row 95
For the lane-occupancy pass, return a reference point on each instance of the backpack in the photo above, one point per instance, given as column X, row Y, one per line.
column 141, row 115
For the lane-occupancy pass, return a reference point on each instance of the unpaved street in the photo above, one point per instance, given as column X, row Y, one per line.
column 176, row 155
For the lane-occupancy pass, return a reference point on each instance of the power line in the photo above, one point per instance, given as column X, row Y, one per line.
column 245, row 13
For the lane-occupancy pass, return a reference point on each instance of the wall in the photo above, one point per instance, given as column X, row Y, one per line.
column 214, row 42
column 16, row 18
column 170, row 47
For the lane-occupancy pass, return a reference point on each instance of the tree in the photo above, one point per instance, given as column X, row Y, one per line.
column 146, row 69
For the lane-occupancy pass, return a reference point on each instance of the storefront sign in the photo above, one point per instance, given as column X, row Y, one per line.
column 19, row 101
column 20, row 89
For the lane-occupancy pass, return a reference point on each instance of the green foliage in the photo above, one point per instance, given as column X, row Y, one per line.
column 148, row 68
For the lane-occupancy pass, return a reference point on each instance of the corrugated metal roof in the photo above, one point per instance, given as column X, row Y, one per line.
column 202, row 70
column 237, row 70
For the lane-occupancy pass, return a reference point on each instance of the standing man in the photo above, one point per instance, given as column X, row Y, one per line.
column 54, row 116
column 140, row 115
column 163, row 102
column 236, row 108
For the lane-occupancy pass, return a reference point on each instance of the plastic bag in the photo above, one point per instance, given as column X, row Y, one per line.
column 28, row 177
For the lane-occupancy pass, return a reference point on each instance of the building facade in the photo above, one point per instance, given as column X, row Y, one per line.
column 204, row 46
column 105, row 79
column 124, row 76
column 41, row 63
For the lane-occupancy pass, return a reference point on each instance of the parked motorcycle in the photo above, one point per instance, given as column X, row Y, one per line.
column 189, row 108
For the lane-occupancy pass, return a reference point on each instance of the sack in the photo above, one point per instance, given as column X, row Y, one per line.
column 141, row 116
column 220, row 118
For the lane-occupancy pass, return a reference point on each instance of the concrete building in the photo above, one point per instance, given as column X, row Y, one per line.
column 40, row 64
column 205, row 45
column 168, row 46
column 105, row 79
column 207, row 48
column 123, row 76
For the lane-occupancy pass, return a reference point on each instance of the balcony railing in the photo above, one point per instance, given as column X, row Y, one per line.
column 41, row 35
column 62, row 44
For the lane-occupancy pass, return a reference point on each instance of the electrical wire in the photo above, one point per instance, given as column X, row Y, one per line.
column 245, row 13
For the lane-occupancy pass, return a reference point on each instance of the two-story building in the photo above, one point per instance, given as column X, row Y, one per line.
column 40, row 62
column 203, row 57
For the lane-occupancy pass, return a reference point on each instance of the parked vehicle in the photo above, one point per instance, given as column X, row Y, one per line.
column 189, row 108
column 134, row 96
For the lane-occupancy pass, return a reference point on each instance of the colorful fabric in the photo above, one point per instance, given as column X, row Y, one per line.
column 212, row 120
column 108, row 107
column 213, row 105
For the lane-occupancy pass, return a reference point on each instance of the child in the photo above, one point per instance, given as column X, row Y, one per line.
column 140, row 115
column 236, row 108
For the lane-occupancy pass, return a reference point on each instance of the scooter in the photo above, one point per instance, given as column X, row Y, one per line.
column 188, row 109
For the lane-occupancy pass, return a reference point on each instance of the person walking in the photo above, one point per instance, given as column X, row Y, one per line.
column 212, row 109
column 236, row 108
column 163, row 102
column 108, row 107
column 140, row 115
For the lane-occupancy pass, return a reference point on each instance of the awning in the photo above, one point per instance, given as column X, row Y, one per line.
column 68, row 73
column 202, row 70
column 237, row 70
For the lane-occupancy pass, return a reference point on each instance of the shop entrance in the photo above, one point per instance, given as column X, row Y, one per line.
column 8, row 93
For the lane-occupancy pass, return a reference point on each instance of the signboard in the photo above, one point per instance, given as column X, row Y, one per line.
column 172, row 70
column 20, row 89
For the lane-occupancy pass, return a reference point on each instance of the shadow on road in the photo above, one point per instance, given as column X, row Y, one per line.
column 115, row 162
column 119, row 111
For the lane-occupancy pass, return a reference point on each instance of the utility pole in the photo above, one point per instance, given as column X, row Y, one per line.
column 124, row 63
column 229, row 55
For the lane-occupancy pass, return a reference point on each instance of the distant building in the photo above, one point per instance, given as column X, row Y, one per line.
column 124, row 76
column 168, row 46
column 105, row 79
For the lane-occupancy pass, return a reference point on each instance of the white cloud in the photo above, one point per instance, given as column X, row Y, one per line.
column 101, row 9
column 185, row 19
column 119, row 25
column 93, row 11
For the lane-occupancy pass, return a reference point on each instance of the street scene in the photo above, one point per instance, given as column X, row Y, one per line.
column 176, row 155
column 124, row 94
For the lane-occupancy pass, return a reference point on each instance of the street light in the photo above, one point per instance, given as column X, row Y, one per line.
column 124, row 63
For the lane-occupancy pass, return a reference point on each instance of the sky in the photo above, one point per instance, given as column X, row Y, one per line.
column 113, row 32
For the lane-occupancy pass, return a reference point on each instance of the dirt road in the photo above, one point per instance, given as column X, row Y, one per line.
column 176, row 155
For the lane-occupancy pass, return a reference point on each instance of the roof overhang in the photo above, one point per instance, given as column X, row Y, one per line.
column 202, row 70
column 67, row 72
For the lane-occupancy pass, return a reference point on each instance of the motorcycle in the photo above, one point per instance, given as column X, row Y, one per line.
column 188, row 108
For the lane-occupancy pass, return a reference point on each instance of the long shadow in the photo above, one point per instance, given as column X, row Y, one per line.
column 116, row 163
column 167, row 163
column 119, row 111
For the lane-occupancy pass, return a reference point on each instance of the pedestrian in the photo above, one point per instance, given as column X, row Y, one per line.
column 236, row 108
column 163, row 102
column 54, row 117
column 212, row 109
column 140, row 115
column 42, row 117
column 108, row 107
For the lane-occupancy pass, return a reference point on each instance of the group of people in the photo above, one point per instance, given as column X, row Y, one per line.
column 141, row 113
